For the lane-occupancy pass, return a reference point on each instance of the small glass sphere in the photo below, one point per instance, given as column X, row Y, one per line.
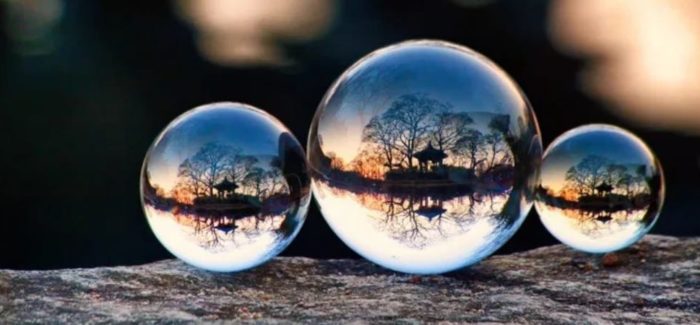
column 225, row 187
column 424, row 157
column 601, row 188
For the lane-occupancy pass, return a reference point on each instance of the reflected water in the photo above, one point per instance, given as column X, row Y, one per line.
column 415, row 232
column 225, row 198
column 424, row 157
column 601, row 189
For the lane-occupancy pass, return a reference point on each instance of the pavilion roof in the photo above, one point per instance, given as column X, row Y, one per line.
column 430, row 154
column 226, row 185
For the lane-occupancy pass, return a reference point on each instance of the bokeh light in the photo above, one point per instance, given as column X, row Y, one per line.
column 251, row 32
column 643, row 56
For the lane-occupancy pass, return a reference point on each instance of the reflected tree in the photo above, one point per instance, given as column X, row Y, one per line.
column 588, row 174
column 384, row 135
column 470, row 146
column 449, row 128
column 410, row 115
column 368, row 163
column 498, row 151
column 255, row 179
column 207, row 167
column 598, row 184
column 419, row 137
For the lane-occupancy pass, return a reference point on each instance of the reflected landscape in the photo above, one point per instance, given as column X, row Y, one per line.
column 219, row 198
column 424, row 157
column 601, row 189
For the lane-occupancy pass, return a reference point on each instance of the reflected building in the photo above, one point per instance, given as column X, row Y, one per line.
column 423, row 157
column 601, row 188
column 218, row 197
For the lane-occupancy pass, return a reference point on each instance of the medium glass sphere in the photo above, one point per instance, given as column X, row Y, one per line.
column 424, row 157
column 601, row 188
column 225, row 187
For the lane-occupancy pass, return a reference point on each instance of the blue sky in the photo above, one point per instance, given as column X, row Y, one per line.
column 607, row 142
column 467, row 81
column 253, row 131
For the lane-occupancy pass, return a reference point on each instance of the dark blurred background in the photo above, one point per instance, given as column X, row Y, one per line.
column 85, row 86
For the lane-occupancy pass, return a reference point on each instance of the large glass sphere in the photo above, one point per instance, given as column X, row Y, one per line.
column 601, row 188
column 225, row 187
column 424, row 157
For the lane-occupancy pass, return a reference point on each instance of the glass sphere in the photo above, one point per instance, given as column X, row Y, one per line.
column 225, row 187
column 424, row 157
column 601, row 188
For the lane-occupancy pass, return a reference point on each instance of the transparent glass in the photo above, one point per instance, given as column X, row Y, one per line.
column 424, row 157
column 601, row 188
column 225, row 187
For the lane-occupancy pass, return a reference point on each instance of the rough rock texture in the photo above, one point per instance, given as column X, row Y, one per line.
column 656, row 281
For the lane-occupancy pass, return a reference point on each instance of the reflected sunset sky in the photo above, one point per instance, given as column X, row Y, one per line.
column 413, row 70
column 605, row 142
column 252, row 134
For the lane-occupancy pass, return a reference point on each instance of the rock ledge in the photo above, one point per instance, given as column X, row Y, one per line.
column 657, row 281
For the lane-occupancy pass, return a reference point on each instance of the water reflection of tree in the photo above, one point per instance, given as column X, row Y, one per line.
column 214, row 233
column 418, row 220
column 499, row 157
column 601, row 194
column 597, row 224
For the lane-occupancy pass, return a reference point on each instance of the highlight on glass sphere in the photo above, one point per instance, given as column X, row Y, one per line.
column 424, row 157
column 225, row 187
column 601, row 188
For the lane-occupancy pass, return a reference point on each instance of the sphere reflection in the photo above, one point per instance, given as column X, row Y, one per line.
column 424, row 157
column 601, row 188
column 225, row 187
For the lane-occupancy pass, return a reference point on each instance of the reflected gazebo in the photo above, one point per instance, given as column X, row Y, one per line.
column 430, row 158
column 225, row 188
column 430, row 208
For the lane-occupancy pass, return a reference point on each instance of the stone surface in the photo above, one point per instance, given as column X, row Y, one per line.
column 656, row 281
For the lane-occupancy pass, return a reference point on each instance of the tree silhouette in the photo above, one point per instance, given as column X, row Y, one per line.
column 614, row 173
column 596, row 175
column 501, row 123
column 449, row 128
column 274, row 182
column 240, row 166
column 368, row 164
column 588, row 174
column 213, row 163
column 498, row 150
column 416, row 123
column 410, row 113
column 255, row 179
column 470, row 145
column 384, row 134
column 207, row 167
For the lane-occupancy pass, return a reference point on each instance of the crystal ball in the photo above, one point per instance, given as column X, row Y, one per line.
column 601, row 188
column 225, row 187
column 424, row 157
